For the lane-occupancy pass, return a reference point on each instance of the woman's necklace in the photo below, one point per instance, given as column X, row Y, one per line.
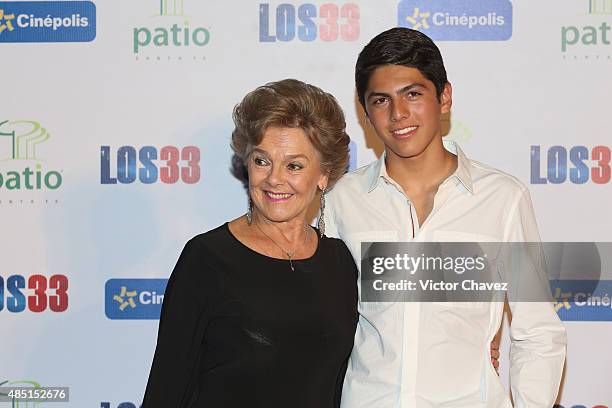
column 289, row 254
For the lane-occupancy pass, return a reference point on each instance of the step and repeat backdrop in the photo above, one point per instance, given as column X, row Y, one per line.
column 115, row 122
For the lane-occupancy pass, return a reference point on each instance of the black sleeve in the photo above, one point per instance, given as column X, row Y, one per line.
column 181, row 330
column 354, row 273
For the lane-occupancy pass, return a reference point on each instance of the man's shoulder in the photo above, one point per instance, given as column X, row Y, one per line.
column 485, row 177
column 356, row 181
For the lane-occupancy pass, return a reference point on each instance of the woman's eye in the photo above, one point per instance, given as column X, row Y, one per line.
column 295, row 166
column 260, row 162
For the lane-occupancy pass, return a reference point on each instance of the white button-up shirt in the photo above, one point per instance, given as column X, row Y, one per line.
column 438, row 354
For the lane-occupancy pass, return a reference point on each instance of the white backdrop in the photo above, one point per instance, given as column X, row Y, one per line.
column 76, row 101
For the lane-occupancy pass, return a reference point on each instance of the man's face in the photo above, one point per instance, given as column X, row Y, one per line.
column 404, row 109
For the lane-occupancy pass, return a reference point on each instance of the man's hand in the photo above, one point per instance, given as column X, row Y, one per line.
column 495, row 351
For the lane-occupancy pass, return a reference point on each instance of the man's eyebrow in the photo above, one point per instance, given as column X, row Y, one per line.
column 409, row 87
column 400, row 91
column 377, row 94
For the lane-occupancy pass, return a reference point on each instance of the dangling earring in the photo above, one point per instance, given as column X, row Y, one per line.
column 321, row 220
column 249, row 213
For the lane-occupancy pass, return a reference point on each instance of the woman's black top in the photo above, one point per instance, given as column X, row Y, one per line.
column 241, row 329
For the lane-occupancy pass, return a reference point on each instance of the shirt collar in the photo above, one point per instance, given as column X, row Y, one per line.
column 378, row 171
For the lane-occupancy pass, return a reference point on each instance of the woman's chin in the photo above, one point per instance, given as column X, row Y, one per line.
column 280, row 216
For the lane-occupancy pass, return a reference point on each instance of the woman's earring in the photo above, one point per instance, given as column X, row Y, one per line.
column 321, row 221
column 249, row 213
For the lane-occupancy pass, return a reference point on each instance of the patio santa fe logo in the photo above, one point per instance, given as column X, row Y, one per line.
column 591, row 28
column 171, row 31
column 47, row 21
column 451, row 20
column 19, row 147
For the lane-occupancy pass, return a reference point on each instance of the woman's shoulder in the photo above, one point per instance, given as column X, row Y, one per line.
column 338, row 254
column 337, row 245
column 330, row 240
column 210, row 238
column 206, row 243
column 199, row 251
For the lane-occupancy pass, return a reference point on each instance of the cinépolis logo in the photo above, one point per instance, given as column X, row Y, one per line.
column 21, row 165
column 134, row 299
column 450, row 20
column 47, row 21
column 583, row 300
column 588, row 36
column 170, row 34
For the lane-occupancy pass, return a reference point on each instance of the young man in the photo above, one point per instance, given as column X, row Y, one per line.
column 424, row 189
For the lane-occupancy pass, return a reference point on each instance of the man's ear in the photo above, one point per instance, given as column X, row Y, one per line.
column 367, row 117
column 446, row 98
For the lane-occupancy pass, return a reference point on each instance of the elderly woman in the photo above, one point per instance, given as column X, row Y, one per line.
column 261, row 311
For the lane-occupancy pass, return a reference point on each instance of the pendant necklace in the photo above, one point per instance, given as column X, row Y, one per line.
column 289, row 254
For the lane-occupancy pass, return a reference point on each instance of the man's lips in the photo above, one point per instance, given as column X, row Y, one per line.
column 404, row 132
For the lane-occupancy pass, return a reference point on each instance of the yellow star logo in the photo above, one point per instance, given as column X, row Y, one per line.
column 419, row 19
column 562, row 300
column 125, row 299
column 6, row 21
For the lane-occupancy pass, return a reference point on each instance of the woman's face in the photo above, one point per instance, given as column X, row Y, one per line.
column 284, row 173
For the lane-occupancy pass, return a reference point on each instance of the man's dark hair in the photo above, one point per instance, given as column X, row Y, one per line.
column 400, row 46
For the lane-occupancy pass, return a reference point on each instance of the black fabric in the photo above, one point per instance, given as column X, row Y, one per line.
column 240, row 329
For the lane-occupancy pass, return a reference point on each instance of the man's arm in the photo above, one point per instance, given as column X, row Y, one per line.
column 331, row 229
column 537, row 352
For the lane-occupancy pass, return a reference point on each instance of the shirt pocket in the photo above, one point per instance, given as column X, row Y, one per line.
column 468, row 237
column 353, row 242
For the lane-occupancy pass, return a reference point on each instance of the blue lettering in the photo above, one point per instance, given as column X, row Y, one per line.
column 105, row 177
column 126, row 164
column 577, row 406
column 121, row 405
column 16, row 303
column 285, row 22
column 557, row 164
column 264, row 24
column 535, row 166
column 1, row 293
column 148, row 174
column 308, row 30
column 579, row 174
column 352, row 156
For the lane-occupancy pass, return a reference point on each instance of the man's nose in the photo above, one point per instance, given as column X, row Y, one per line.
column 399, row 111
